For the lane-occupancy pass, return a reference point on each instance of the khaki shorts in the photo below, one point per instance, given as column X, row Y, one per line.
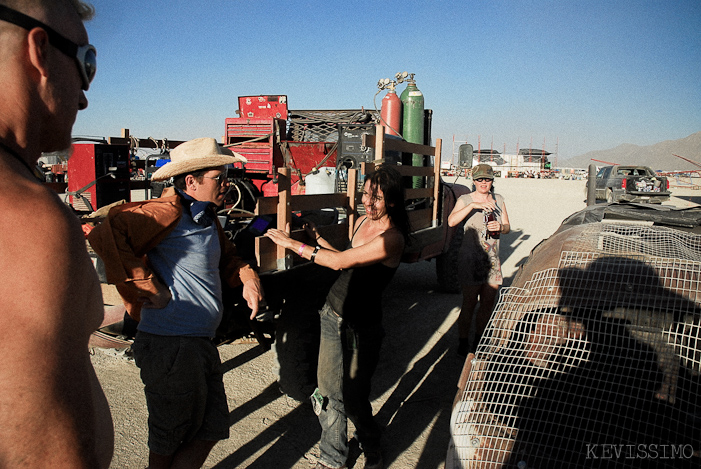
column 184, row 390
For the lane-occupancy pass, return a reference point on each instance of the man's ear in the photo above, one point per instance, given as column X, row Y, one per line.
column 38, row 46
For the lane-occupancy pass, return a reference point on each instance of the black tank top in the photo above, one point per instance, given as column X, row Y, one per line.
column 357, row 293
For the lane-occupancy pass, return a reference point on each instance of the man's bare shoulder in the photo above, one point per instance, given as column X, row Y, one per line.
column 42, row 246
column 33, row 213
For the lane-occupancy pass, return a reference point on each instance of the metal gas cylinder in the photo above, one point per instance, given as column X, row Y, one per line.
column 391, row 112
column 413, row 122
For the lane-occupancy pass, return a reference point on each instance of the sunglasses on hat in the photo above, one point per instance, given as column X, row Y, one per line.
column 85, row 56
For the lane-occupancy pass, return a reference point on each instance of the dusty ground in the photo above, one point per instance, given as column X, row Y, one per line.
column 414, row 385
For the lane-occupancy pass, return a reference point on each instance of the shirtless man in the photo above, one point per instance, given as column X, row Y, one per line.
column 53, row 412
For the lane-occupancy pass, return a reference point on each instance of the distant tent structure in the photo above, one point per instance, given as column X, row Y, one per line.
column 507, row 163
column 489, row 156
column 534, row 154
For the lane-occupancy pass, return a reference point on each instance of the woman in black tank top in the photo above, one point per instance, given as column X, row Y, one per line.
column 351, row 319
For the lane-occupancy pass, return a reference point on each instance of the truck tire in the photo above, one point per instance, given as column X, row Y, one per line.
column 609, row 196
column 447, row 263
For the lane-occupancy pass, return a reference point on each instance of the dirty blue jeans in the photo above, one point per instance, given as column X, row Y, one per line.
column 347, row 360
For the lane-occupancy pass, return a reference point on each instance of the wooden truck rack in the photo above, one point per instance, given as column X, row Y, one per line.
column 271, row 257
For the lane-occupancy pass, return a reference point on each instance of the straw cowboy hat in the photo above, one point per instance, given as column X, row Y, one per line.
column 193, row 155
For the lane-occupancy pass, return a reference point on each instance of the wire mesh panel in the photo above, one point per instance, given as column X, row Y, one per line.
column 650, row 240
column 322, row 126
column 594, row 363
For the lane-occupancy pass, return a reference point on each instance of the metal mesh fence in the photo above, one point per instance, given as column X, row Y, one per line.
column 322, row 126
column 595, row 363
column 659, row 241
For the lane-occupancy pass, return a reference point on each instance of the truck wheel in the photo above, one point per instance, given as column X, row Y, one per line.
column 609, row 196
column 447, row 263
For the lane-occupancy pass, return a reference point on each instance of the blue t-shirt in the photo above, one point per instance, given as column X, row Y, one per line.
column 187, row 262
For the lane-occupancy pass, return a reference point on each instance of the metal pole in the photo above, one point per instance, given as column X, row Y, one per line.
column 591, row 185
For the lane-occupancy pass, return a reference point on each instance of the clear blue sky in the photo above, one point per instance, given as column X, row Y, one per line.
column 591, row 74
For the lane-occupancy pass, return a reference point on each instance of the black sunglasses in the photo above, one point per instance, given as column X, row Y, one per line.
column 85, row 56
column 483, row 179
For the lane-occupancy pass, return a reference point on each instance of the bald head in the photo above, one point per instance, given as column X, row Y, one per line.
column 30, row 7
column 59, row 14
column 42, row 78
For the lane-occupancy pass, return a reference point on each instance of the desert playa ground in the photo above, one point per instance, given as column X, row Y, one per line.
column 414, row 385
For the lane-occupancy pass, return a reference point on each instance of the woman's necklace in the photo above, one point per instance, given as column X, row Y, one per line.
column 18, row 158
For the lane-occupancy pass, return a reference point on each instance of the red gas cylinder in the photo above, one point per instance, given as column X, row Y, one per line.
column 391, row 112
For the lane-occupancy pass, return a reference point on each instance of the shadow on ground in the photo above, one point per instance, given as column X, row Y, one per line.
column 692, row 199
column 413, row 387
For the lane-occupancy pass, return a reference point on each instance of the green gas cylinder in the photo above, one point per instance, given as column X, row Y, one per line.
column 413, row 123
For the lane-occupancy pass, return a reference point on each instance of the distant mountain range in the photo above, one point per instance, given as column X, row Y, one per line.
column 659, row 156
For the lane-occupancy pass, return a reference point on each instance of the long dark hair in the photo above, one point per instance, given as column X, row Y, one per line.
column 389, row 181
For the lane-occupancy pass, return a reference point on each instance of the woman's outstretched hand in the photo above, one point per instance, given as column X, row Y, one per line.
column 279, row 237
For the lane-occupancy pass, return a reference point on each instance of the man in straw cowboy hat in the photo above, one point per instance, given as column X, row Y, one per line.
column 168, row 258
